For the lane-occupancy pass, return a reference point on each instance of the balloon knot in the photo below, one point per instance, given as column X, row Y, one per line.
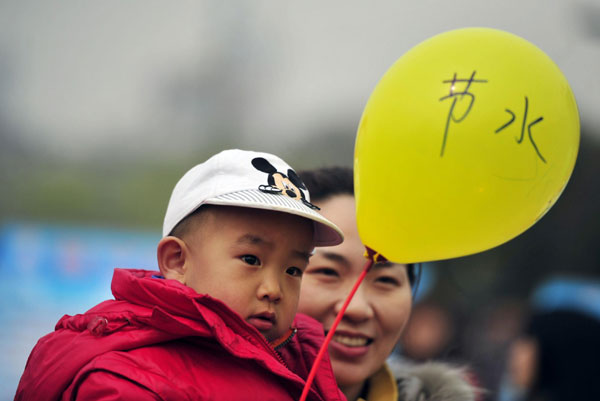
column 375, row 256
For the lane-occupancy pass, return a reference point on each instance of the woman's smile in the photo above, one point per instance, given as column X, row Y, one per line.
column 347, row 345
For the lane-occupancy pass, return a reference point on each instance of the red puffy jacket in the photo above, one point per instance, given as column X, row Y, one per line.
column 160, row 340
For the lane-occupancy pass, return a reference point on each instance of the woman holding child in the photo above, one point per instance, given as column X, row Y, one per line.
column 377, row 314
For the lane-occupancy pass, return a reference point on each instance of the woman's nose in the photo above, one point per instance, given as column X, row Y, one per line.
column 359, row 307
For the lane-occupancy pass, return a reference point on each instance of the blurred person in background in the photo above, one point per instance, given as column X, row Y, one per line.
column 557, row 356
column 429, row 333
column 376, row 316
column 491, row 331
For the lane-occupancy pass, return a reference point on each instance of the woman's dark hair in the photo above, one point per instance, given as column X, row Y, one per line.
column 326, row 182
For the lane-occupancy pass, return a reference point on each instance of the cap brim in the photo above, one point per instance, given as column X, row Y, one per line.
column 326, row 233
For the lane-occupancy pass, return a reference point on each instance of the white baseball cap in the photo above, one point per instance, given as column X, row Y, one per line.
column 247, row 179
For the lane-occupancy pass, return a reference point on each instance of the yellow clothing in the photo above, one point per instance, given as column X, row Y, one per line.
column 382, row 386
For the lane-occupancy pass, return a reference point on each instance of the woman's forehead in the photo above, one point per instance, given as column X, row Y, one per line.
column 347, row 262
column 389, row 267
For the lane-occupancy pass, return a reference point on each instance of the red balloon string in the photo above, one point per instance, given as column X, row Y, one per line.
column 338, row 319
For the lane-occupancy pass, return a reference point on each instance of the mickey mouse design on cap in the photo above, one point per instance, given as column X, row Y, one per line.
column 290, row 185
column 247, row 179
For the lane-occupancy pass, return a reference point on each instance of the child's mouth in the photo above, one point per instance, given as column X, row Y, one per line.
column 263, row 321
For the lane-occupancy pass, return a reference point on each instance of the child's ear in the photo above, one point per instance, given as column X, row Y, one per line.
column 171, row 255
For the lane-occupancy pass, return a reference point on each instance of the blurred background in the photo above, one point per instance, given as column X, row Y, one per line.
column 104, row 105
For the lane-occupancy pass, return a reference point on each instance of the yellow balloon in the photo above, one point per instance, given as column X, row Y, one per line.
column 467, row 140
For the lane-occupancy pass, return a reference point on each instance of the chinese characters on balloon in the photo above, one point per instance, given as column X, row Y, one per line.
column 457, row 94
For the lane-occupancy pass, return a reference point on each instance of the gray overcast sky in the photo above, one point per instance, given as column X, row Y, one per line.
column 77, row 75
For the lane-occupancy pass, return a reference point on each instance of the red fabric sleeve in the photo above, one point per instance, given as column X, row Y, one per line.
column 105, row 386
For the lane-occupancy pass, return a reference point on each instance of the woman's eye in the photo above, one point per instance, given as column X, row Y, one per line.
column 388, row 280
column 326, row 271
column 294, row 271
column 251, row 260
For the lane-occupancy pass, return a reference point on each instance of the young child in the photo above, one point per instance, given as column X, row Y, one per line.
column 218, row 322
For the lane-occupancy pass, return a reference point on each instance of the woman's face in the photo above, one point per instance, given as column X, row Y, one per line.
column 379, row 310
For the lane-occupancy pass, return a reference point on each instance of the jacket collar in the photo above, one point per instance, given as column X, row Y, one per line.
column 381, row 386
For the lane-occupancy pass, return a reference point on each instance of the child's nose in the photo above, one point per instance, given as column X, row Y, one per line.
column 269, row 289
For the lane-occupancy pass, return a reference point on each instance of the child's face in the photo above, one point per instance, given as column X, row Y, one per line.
column 252, row 260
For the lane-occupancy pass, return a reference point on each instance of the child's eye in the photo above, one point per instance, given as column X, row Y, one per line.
column 294, row 271
column 251, row 260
